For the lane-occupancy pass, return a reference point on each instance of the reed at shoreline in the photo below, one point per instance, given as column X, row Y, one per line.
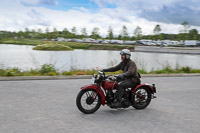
column 50, row 70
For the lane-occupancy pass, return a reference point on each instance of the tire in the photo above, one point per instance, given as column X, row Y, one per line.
column 86, row 103
column 141, row 98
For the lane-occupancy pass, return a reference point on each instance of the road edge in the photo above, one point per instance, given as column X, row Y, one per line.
column 87, row 77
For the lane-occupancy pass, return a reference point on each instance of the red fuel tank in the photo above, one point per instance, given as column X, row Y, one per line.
column 110, row 85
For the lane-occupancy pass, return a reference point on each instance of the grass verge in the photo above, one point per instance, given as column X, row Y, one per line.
column 49, row 70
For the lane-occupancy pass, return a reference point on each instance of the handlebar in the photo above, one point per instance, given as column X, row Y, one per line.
column 110, row 77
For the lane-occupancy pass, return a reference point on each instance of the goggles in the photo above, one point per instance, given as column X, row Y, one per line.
column 122, row 52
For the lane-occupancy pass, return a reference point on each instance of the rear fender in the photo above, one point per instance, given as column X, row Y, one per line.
column 143, row 85
column 96, row 88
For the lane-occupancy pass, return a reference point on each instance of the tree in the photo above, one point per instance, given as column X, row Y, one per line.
column 138, row 32
column 184, row 30
column 193, row 34
column 95, row 33
column 162, row 36
column 84, row 32
column 185, row 27
column 14, row 35
column 124, row 33
column 119, row 37
column 47, row 30
column 55, row 33
column 33, row 33
column 110, row 33
column 74, row 31
column 193, row 31
column 65, row 33
column 40, row 35
column 20, row 34
column 39, row 31
column 47, row 33
column 26, row 33
column 157, row 29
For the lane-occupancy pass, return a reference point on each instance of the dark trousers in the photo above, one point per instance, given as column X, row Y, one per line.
column 122, row 85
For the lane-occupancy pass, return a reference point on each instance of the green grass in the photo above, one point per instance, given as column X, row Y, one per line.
column 75, row 45
column 169, row 70
column 52, row 47
column 33, row 42
column 49, row 70
column 45, row 70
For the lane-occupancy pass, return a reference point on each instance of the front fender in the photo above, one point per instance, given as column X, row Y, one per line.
column 144, row 85
column 97, row 89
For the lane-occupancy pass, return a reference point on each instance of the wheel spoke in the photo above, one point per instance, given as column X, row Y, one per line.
column 141, row 96
column 86, row 96
column 92, row 94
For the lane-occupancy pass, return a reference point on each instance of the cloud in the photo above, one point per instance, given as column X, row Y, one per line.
column 36, row 18
column 175, row 15
column 17, row 16
column 167, row 11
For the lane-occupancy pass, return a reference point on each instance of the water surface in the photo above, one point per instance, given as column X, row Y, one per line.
column 25, row 58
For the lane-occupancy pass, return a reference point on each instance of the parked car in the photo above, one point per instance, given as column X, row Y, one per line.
column 190, row 42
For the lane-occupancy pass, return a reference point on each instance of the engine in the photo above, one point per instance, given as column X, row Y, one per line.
column 111, row 95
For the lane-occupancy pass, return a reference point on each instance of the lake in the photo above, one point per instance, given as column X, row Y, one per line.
column 24, row 58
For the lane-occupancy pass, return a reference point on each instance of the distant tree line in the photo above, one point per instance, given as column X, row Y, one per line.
column 185, row 33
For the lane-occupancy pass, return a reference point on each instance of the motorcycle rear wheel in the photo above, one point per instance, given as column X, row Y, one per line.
column 141, row 98
column 87, row 102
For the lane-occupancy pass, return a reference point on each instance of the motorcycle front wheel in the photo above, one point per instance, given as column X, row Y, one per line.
column 88, row 101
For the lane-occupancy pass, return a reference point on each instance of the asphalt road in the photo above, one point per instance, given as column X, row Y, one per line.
column 48, row 106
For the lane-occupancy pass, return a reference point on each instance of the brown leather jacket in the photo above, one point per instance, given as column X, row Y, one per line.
column 128, row 67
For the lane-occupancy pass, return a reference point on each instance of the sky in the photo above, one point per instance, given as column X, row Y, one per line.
column 16, row 15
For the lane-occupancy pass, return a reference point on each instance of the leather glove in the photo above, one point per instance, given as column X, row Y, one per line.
column 121, row 77
column 102, row 71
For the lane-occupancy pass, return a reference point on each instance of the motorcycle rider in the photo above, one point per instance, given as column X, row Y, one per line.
column 128, row 79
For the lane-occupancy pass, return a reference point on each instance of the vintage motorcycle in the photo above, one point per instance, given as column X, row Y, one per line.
column 103, row 91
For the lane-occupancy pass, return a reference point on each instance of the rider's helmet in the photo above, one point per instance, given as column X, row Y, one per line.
column 126, row 52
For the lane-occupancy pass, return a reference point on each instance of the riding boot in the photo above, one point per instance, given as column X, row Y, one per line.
column 117, row 102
